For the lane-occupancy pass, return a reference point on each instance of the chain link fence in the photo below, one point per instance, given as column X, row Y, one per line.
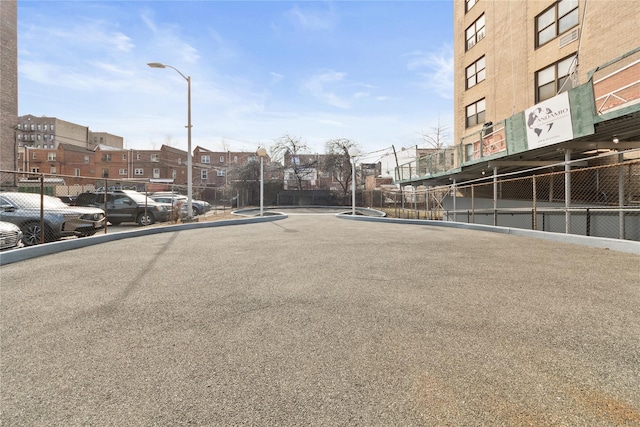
column 47, row 208
column 598, row 197
column 601, row 199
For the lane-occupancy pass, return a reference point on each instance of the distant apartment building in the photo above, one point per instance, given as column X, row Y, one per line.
column 49, row 132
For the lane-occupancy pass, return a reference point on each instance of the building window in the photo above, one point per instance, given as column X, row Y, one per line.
column 476, row 113
column 179, row 161
column 106, row 157
column 469, row 4
column 155, row 157
column 156, row 172
column 559, row 18
column 86, row 159
column 475, row 32
column 33, row 127
column 51, row 128
column 235, row 159
column 76, row 172
column 122, row 172
column 105, row 173
column 39, row 137
column 35, row 170
column 138, row 172
column 203, row 174
column 51, row 157
column 554, row 79
column 174, row 174
column 45, row 127
column 138, row 156
column 33, row 155
column 222, row 172
column 124, row 156
column 476, row 72
column 205, row 159
column 52, row 170
column 221, row 159
column 39, row 126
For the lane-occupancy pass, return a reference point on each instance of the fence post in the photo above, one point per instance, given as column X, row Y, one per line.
column 567, row 190
column 473, row 204
column 495, row 196
column 534, row 219
column 426, row 205
column 621, row 196
column 455, row 211
column 41, row 208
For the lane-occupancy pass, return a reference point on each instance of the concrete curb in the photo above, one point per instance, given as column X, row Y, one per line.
column 30, row 252
column 627, row 246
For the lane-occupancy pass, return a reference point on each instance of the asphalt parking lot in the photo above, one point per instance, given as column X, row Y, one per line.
column 317, row 320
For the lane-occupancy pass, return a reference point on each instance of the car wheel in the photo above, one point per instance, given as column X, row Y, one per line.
column 147, row 219
column 195, row 211
column 88, row 233
column 31, row 233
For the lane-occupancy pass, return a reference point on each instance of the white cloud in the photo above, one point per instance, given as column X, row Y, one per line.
column 314, row 20
column 276, row 78
column 318, row 87
column 435, row 70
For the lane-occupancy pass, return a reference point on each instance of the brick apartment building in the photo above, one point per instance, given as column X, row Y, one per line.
column 510, row 56
column 537, row 83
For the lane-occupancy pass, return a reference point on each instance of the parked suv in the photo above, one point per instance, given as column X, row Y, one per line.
column 127, row 206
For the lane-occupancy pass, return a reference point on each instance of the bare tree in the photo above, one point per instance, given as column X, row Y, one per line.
column 294, row 155
column 436, row 136
column 245, row 178
column 337, row 162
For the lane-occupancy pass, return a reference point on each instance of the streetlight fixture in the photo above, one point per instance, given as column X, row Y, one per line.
column 189, row 156
column 353, row 152
column 262, row 153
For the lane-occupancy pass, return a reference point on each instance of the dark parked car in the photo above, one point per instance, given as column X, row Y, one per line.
column 60, row 220
column 10, row 235
column 127, row 206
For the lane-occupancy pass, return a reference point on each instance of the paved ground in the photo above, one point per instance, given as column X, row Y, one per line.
column 317, row 320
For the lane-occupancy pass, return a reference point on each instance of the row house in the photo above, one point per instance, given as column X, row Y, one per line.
column 212, row 168
column 168, row 164
column 103, row 161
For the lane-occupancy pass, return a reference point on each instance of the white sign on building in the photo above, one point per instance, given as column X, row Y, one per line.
column 549, row 122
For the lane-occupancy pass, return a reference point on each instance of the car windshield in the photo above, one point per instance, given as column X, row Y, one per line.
column 32, row 201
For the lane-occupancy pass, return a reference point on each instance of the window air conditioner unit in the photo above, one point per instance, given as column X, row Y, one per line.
column 571, row 36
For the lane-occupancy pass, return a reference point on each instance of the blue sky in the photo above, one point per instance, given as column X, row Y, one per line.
column 377, row 72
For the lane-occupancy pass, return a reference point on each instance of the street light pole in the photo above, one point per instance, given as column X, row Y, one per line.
column 353, row 152
column 189, row 154
column 262, row 153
